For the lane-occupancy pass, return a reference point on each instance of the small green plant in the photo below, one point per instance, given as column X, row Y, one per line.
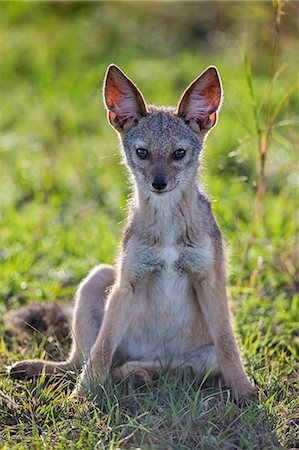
column 264, row 112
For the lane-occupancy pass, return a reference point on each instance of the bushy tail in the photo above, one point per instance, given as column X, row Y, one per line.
column 42, row 317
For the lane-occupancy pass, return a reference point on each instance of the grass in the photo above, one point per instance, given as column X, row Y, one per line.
column 63, row 196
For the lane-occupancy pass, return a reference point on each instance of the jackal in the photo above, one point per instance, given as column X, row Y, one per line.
column 165, row 303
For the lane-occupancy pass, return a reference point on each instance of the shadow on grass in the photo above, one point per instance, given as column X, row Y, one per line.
column 174, row 411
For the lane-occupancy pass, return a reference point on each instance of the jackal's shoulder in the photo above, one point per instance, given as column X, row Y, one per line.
column 205, row 209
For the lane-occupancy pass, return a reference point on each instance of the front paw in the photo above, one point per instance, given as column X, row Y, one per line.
column 244, row 390
column 142, row 375
column 78, row 394
column 88, row 383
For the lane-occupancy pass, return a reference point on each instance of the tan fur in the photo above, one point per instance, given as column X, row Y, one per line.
column 165, row 303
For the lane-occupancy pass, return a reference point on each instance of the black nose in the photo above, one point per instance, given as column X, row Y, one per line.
column 159, row 184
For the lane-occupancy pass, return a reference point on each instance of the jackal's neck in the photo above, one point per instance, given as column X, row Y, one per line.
column 166, row 216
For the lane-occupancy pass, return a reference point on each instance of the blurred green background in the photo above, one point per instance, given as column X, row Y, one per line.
column 63, row 190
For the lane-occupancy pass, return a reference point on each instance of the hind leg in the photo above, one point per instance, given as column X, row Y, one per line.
column 89, row 311
column 200, row 361
column 88, row 316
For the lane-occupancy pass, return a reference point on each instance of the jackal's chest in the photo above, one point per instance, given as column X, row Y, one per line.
column 164, row 264
column 165, row 311
column 167, row 288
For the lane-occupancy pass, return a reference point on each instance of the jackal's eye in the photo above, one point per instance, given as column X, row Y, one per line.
column 179, row 154
column 142, row 153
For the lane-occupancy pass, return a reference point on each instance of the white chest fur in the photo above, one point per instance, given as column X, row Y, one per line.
column 167, row 310
column 168, row 288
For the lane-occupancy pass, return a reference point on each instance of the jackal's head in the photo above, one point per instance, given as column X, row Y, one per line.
column 162, row 145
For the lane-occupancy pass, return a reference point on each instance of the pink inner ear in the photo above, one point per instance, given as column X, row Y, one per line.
column 123, row 100
column 120, row 100
column 119, row 120
column 202, row 103
column 197, row 106
column 201, row 100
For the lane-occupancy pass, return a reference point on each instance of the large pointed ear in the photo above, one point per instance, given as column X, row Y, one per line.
column 201, row 101
column 123, row 100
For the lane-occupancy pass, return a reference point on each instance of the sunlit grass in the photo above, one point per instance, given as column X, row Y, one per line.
column 63, row 196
